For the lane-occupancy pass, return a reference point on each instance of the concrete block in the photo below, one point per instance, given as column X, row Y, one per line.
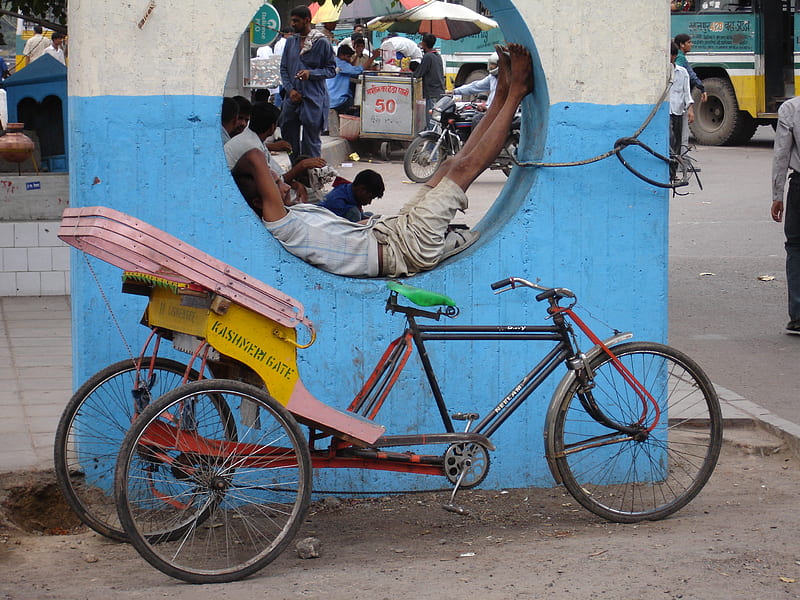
column 54, row 283
column 48, row 234
column 6, row 235
column 26, row 235
column 40, row 259
column 14, row 259
column 8, row 284
column 60, row 258
column 29, row 284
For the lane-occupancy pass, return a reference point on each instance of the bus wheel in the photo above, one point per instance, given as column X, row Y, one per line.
column 718, row 121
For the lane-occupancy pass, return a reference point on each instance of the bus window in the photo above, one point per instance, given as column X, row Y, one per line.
column 724, row 5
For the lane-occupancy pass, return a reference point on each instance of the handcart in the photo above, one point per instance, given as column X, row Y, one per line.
column 392, row 108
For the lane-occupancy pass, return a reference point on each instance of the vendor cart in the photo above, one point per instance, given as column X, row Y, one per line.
column 392, row 108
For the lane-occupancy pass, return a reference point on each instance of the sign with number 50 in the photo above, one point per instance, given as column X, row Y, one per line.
column 387, row 106
column 383, row 105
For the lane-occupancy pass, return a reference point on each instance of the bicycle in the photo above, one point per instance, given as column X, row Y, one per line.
column 607, row 439
column 213, row 479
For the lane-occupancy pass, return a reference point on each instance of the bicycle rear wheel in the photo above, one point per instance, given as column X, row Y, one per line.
column 199, row 507
column 90, row 433
column 652, row 474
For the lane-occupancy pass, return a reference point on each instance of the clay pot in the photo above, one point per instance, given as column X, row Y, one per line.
column 15, row 146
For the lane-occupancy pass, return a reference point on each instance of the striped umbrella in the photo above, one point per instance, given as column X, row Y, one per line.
column 327, row 11
column 445, row 21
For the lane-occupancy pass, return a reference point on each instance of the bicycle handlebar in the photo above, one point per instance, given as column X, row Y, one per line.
column 546, row 292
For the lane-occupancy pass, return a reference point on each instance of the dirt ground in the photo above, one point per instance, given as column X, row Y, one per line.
column 737, row 540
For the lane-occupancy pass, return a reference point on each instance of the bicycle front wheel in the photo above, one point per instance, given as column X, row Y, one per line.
column 653, row 473
column 91, row 429
column 201, row 507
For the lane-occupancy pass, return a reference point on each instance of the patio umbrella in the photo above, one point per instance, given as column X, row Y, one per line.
column 445, row 21
column 358, row 9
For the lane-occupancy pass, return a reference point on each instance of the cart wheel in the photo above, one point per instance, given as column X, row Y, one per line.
column 199, row 506
column 385, row 150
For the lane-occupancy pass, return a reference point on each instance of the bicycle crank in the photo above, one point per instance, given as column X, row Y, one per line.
column 465, row 465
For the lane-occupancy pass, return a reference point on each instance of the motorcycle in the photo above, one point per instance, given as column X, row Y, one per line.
column 452, row 126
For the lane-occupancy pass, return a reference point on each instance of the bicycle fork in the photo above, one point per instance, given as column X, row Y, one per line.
column 585, row 376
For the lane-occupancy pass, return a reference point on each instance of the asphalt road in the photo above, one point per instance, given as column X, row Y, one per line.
column 722, row 240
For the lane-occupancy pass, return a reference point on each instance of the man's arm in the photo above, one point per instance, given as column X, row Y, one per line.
column 782, row 149
column 266, row 195
column 424, row 66
column 351, row 70
column 475, row 87
column 301, row 167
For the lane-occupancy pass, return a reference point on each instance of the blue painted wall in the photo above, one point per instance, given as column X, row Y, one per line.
column 595, row 229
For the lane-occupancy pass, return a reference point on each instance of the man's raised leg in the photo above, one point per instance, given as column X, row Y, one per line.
column 515, row 80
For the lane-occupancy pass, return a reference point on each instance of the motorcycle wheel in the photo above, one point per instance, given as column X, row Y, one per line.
column 419, row 162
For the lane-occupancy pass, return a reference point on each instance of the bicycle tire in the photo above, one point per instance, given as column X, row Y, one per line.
column 649, row 479
column 90, row 432
column 237, row 506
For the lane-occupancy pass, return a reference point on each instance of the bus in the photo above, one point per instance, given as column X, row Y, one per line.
column 745, row 52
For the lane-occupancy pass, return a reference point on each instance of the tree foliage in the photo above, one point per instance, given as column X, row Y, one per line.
column 50, row 10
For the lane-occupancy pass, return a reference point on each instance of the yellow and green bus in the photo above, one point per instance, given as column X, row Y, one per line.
column 745, row 51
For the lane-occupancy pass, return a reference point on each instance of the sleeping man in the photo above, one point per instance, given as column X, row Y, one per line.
column 419, row 237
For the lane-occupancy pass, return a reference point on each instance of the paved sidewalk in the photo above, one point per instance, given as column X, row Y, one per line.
column 36, row 383
column 35, row 377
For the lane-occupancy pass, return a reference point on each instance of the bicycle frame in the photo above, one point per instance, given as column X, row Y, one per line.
column 371, row 397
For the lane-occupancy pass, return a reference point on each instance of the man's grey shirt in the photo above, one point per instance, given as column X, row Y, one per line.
column 787, row 146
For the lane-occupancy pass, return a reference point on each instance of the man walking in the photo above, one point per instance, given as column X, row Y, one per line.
column 787, row 157
column 307, row 61
column 431, row 71
column 680, row 105
column 684, row 43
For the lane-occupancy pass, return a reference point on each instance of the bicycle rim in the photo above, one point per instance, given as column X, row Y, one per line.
column 90, row 433
column 629, row 480
column 203, row 510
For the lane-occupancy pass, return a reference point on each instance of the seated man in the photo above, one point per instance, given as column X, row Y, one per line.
column 341, row 87
column 347, row 199
column 262, row 124
column 417, row 239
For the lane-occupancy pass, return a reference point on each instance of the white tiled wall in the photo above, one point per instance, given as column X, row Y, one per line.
column 33, row 261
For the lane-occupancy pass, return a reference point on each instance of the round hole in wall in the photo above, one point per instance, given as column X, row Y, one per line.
column 494, row 197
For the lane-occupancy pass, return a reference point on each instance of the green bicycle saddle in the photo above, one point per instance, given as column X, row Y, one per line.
column 419, row 296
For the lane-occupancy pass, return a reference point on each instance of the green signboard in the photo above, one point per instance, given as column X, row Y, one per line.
column 725, row 32
column 265, row 26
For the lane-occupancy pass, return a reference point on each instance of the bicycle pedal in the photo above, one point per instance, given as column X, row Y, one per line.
column 465, row 416
column 459, row 510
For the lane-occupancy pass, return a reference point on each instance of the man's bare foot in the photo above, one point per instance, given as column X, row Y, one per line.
column 503, row 72
column 521, row 75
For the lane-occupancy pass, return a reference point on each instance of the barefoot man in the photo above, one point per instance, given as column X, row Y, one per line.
column 417, row 239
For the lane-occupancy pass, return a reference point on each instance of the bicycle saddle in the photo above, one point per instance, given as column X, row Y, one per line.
column 419, row 296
